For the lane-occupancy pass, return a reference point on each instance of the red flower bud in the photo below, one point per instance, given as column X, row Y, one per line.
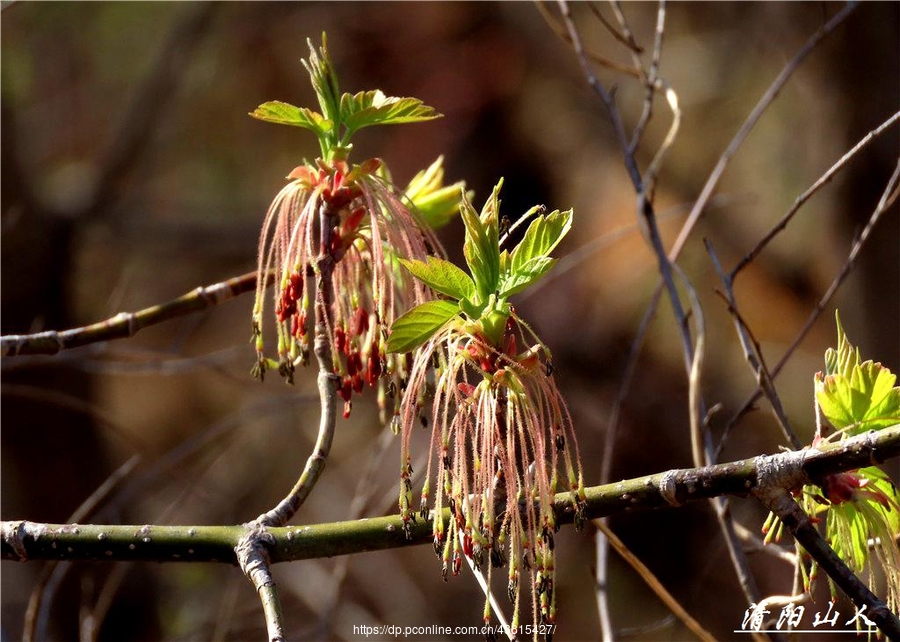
column 340, row 339
column 361, row 321
column 346, row 392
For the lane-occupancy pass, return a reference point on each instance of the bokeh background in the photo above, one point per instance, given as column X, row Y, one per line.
column 132, row 174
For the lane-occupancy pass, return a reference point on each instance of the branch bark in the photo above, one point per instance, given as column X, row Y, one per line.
column 127, row 324
column 23, row 540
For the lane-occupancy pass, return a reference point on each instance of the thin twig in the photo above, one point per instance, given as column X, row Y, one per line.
column 287, row 507
column 798, row 203
column 765, row 100
column 753, row 353
column 631, row 45
column 888, row 198
column 650, row 81
column 595, row 84
column 127, row 324
column 560, row 31
column 699, row 427
column 653, row 168
column 655, row 585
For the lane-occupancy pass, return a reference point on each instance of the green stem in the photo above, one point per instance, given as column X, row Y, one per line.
column 287, row 508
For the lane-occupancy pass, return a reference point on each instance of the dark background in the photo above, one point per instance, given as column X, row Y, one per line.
column 132, row 174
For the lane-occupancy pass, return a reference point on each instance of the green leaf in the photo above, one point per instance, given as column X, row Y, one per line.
column 374, row 108
column 481, row 249
column 437, row 204
column 542, row 236
column 526, row 275
column 872, row 515
column 419, row 324
column 441, row 276
column 863, row 399
column 281, row 113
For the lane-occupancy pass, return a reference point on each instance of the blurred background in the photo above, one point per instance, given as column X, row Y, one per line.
column 131, row 174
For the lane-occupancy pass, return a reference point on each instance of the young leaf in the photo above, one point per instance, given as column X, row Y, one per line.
column 419, row 324
column 864, row 399
column 324, row 80
column 281, row 113
column 544, row 234
column 481, row 250
column 530, row 272
column 441, row 276
column 846, row 357
column 374, row 108
column 436, row 203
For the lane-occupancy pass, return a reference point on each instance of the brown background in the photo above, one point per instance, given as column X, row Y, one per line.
column 181, row 199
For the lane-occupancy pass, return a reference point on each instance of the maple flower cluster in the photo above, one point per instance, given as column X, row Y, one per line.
column 502, row 440
column 367, row 221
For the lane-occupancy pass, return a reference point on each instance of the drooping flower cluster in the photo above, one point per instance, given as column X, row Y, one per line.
column 502, row 442
column 350, row 221
column 367, row 221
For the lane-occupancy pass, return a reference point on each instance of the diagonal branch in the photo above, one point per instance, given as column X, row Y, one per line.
column 753, row 353
column 765, row 100
column 889, row 196
column 127, row 324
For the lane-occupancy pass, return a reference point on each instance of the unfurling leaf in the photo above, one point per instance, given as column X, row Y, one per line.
column 517, row 280
column 374, row 108
column 542, row 236
column 481, row 247
column 435, row 202
column 419, row 324
column 856, row 396
column 442, row 276
column 281, row 113
column 864, row 399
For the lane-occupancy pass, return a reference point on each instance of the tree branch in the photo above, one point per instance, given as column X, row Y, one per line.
column 127, row 324
column 22, row 540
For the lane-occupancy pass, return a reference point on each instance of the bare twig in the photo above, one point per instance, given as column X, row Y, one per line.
column 805, row 196
column 651, row 580
column 651, row 79
column 753, row 354
column 630, row 44
column 888, row 198
column 127, row 324
column 560, row 31
column 761, row 106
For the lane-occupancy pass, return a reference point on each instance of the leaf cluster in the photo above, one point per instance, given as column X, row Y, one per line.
column 855, row 395
column 342, row 114
column 480, row 297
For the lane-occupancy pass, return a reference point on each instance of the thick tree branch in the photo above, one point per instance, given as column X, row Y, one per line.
column 24, row 540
